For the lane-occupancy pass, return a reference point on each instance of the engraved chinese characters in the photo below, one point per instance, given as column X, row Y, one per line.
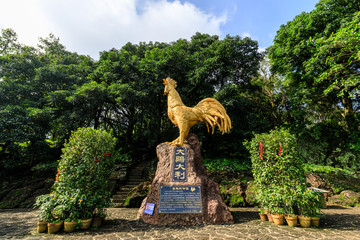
column 179, row 165
column 194, row 201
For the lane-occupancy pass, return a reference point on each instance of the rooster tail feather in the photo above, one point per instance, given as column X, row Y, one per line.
column 214, row 114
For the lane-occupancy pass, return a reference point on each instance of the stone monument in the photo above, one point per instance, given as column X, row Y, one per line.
column 181, row 192
column 194, row 201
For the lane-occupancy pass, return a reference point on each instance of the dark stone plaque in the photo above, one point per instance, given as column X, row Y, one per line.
column 180, row 199
column 179, row 165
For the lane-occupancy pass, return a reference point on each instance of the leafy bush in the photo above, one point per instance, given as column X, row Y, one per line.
column 278, row 172
column 324, row 169
column 83, row 173
column 223, row 164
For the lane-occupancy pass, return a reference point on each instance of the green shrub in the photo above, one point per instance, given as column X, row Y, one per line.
column 223, row 164
column 314, row 168
column 278, row 171
column 83, row 173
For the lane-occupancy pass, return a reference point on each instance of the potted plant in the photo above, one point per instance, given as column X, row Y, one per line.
column 262, row 214
column 276, row 166
column 70, row 224
column 99, row 216
column 41, row 226
column 81, row 180
column 46, row 204
column 304, row 205
column 290, row 205
column 85, row 223
column 262, row 197
column 54, row 226
column 85, row 218
column 315, row 205
column 278, row 215
column 276, row 203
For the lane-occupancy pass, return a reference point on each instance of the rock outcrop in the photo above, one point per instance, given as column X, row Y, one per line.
column 214, row 210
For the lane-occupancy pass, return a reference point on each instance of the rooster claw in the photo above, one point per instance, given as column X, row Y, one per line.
column 176, row 143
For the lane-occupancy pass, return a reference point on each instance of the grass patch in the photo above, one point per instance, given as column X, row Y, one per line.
column 314, row 168
column 229, row 165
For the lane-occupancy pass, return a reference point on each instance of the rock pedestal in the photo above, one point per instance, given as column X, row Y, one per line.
column 213, row 208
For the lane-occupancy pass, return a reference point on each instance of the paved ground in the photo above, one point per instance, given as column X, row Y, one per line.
column 338, row 223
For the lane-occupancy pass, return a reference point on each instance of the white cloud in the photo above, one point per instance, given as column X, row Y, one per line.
column 90, row 26
column 261, row 49
column 245, row 34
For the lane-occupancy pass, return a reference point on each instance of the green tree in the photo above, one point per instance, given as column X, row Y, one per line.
column 317, row 53
column 55, row 91
column 201, row 67
column 8, row 41
column 30, row 80
column 307, row 52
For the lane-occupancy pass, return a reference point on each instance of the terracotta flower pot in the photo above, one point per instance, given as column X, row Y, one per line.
column 85, row 224
column 278, row 219
column 41, row 227
column 269, row 217
column 97, row 221
column 291, row 220
column 305, row 222
column 315, row 221
column 263, row 217
column 54, row 227
column 69, row 226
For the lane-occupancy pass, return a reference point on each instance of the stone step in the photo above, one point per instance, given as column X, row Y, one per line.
column 117, row 205
column 134, row 176
column 130, row 185
column 122, row 193
column 119, row 198
column 133, row 183
column 125, row 188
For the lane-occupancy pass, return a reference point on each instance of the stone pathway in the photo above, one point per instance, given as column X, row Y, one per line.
column 338, row 223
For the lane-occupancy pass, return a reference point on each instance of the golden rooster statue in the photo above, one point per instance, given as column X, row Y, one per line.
column 208, row 110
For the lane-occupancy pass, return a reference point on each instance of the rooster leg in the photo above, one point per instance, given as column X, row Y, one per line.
column 184, row 132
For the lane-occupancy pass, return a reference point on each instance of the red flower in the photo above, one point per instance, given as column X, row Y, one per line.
column 280, row 149
column 261, row 150
column 106, row 154
column 57, row 175
column 98, row 160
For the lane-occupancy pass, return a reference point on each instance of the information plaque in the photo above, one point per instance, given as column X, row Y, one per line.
column 149, row 208
column 180, row 199
column 179, row 165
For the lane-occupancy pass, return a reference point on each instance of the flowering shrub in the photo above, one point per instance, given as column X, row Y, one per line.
column 82, row 177
column 279, row 174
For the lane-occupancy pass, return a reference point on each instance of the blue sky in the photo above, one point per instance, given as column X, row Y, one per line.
column 258, row 18
column 91, row 26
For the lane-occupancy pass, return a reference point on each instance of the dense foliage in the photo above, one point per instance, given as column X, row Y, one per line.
column 80, row 189
column 279, row 175
column 47, row 92
column 309, row 83
column 318, row 55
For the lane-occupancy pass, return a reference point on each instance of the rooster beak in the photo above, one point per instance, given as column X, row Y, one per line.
column 165, row 82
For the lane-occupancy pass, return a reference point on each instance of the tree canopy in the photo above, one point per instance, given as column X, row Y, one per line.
column 47, row 92
column 308, row 83
column 318, row 54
